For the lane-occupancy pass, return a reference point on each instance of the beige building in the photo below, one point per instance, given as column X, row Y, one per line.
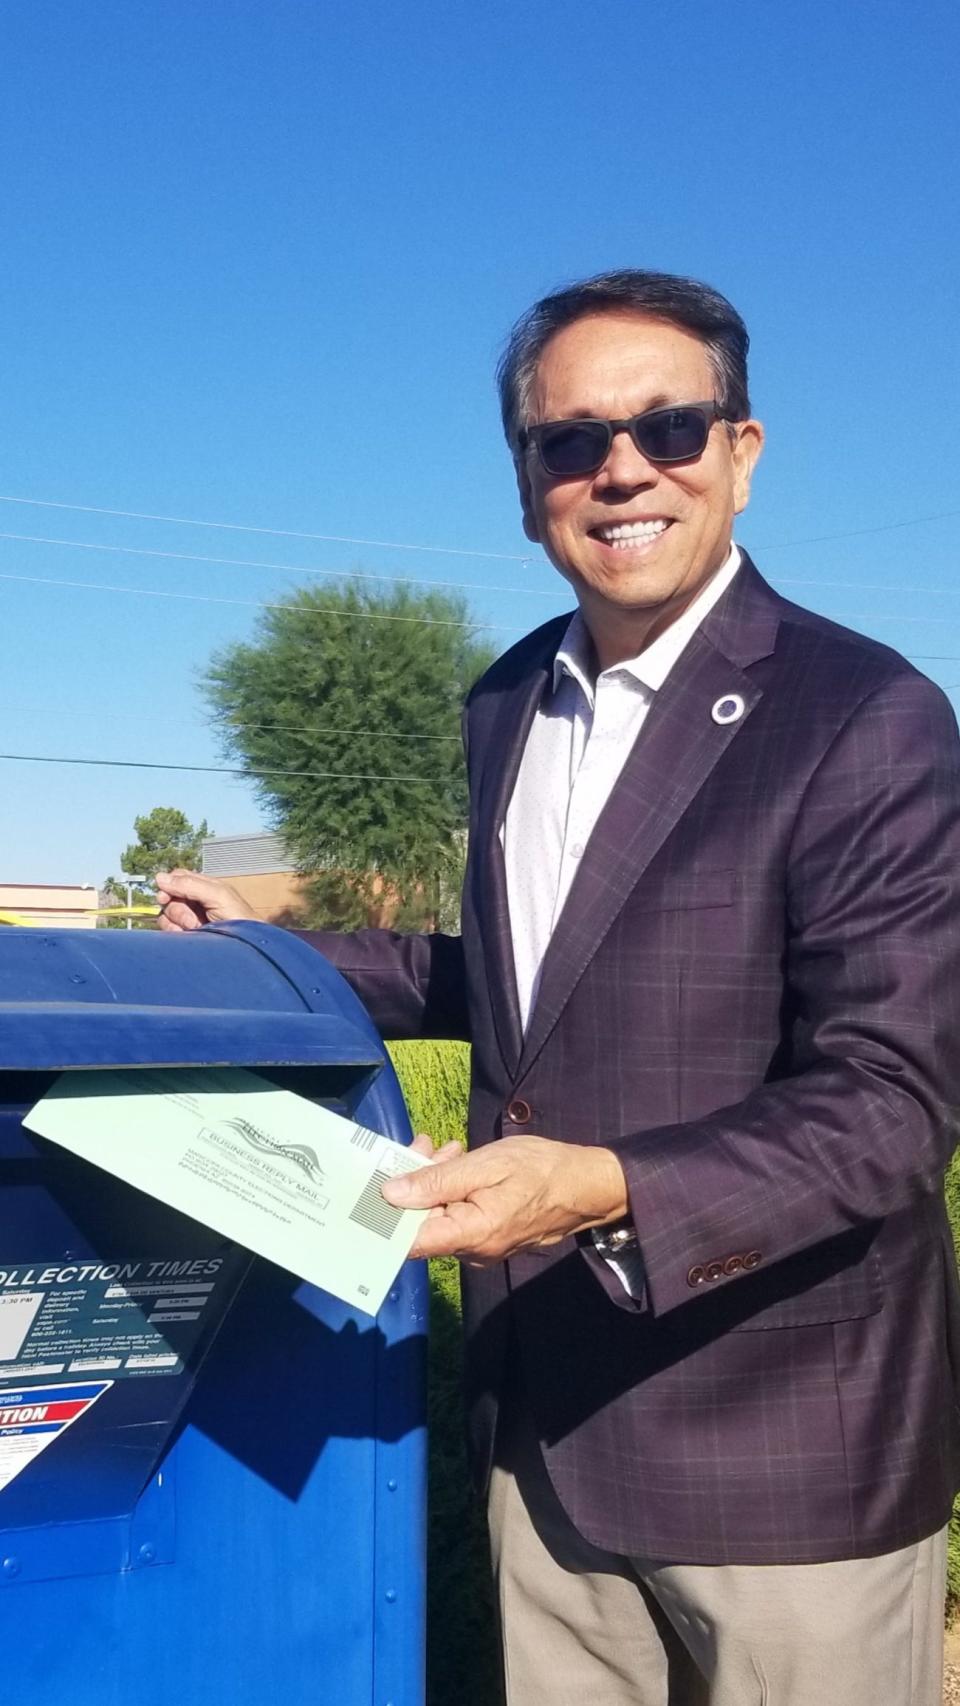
column 259, row 868
column 70, row 906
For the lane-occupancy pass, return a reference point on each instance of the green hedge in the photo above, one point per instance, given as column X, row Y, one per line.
column 461, row 1666
column 462, row 1663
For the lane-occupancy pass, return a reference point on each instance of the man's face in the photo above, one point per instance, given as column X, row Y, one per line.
column 631, row 585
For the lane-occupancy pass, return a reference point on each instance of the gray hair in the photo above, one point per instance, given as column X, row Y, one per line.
column 662, row 296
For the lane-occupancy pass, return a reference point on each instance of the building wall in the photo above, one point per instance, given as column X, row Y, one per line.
column 276, row 896
column 63, row 906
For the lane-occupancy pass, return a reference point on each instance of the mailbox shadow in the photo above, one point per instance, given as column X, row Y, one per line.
column 279, row 1382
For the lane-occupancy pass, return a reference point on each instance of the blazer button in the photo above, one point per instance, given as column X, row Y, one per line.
column 695, row 1277
column 714, row 1270
column 752, row 1259
column 519, row 1112
column 733, row 1264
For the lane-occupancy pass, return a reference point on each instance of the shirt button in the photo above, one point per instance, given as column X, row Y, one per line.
column 576, row 851
column 519, row 1112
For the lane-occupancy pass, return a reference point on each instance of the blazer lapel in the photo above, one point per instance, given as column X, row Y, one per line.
column 675, row 753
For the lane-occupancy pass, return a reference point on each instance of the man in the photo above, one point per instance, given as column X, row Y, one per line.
column 709, row 968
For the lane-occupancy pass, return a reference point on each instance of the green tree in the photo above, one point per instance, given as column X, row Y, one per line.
column 346, row 708
column 165, row 838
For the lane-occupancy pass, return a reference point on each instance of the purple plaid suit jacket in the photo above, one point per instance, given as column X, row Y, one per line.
column 752, row 994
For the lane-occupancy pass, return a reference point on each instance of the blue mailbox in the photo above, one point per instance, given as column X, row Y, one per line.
column 212, row 1476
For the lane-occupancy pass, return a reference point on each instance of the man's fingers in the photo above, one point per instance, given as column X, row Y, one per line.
column 448, row 1151
column 207, row 899
column 178, row 916
column 444, row 1182
column 423, row 1145
column 448, row 1232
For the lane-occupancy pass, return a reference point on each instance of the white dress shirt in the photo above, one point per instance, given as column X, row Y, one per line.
column 578, row 744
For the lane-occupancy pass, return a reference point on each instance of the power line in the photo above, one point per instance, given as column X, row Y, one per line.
column 435, row 550
column 344, row 615
column 290, row 728
column 859, row 532
column 211, row 769
column 413, row 580
column 253, row 563
column 859, row 586
column 257, row 604
column 273, row 532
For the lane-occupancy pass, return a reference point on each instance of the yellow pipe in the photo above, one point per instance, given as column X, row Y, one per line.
column 87, row 911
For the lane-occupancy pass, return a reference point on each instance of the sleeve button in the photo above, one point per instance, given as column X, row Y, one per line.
column 752, row 1259
column 695, row 1277
column 733, row 1264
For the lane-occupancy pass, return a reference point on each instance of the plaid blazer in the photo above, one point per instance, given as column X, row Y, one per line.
column 752, row 995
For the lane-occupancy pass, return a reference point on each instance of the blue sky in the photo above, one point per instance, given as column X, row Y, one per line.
column 257, row 263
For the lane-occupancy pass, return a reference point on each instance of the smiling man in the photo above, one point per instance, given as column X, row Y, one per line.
column 709, row 970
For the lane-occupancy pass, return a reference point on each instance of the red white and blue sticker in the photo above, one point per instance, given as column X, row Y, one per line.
column 31, row 1418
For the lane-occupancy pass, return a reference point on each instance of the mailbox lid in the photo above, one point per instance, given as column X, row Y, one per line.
column 54, row 1036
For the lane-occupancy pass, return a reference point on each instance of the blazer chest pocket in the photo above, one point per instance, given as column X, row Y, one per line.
column 686, row 891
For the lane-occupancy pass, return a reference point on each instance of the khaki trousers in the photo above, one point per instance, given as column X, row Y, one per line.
column 581, row 1627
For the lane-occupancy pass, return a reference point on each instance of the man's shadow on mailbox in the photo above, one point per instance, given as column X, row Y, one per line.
column 291, row 1369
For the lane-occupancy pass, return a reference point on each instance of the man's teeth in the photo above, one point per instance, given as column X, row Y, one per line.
column 626, row 533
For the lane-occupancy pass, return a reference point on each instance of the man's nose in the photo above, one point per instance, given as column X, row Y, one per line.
column 625, row 466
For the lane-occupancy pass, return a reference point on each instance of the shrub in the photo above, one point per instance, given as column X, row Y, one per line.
column 461, row 1648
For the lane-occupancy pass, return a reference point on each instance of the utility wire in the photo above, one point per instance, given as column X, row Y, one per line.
column 251, row 563
column 240, row 725
column 437, row 550
column 257, row 604
column 858, row 532
column 412, row 580
column 273, row 532
column 210, row 769
column 344, row 615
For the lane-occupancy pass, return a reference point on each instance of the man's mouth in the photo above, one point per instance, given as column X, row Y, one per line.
column 626, row 535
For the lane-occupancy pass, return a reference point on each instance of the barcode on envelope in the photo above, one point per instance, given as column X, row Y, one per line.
column 364, row 1139
column 371, row 1211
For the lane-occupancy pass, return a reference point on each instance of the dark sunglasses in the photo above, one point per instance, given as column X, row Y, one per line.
column 661, row 435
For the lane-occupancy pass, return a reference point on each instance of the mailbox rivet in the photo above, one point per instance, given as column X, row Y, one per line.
column 147, row 1554
column 390, row 1596
column 391, row 1486
column 11, row 1566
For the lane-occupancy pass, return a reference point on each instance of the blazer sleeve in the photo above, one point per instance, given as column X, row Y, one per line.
column 860, row 1119
column 411, row 985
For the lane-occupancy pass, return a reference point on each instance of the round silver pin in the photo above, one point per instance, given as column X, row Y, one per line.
column 729, row 709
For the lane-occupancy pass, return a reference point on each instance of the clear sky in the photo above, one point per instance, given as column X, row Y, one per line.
column 257, row 260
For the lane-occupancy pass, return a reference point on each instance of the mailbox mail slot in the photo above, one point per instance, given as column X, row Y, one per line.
column 212, row 1476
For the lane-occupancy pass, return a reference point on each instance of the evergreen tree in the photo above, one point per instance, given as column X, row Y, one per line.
column 346, row 707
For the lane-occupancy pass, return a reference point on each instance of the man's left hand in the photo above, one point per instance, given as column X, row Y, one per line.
column 516, row 1194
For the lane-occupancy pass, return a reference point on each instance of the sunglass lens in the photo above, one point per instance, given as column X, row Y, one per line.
column 672, row 435
column 574, row 447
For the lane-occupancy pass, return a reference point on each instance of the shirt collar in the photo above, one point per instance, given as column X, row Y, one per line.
column 575, row 653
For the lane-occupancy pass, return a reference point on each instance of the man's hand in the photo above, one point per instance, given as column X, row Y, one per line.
column 512, row 1195
column 189, row 900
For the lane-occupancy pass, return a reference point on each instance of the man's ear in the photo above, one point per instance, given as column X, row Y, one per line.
column 525, row 489
column 746, row 455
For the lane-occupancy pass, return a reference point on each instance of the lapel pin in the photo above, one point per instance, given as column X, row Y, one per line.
column 729, row 709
